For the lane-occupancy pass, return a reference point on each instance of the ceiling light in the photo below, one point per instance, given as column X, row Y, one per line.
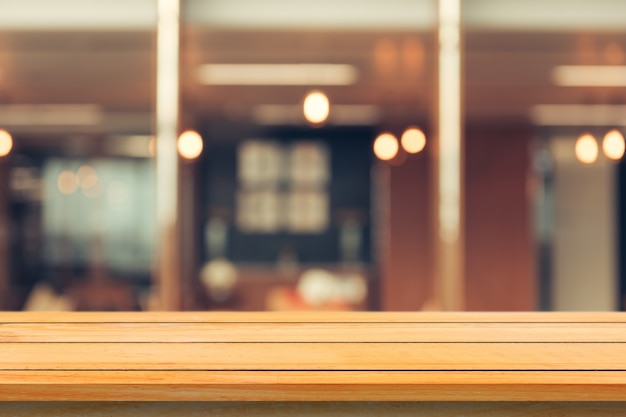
column 578, row 115
column 277, row 74
column 613, row 144
column 190, row 144
column 413, row 140
column 316, row 107
column 50, row 114
column 6, row 143
column 342, row 114
column 137, row 146
column 590, row 75
column 386, row 146
column 586, row 149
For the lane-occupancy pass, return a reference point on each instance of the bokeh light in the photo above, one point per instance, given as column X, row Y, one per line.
column 67, row 182
column 316, row 107
column 190, row 144
column 6, row 143
column 413, row 56
column 586, row 149
column 386, row 57
column 613, row 54
column 87, row 176
column 413, row 140
column 613, row 144
column 386, row 146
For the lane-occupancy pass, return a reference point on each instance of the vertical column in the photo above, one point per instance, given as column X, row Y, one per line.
column 167, row 119
column 448, row 240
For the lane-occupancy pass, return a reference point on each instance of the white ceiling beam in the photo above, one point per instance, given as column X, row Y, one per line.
column 77, row 14
column 553, row 15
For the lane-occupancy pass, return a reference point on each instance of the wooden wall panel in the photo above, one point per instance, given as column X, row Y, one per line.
column 407, row 261
column 499, row 258
column 500, row 272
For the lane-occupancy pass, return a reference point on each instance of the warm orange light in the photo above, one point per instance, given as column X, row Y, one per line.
column 613, row 144
column 67, row 182
column 413, row 56
column 386, row 146
column 152, row 146
column 413, row 140
column 6, row 143
column 87, row 179
column 87, row 176
column 190, row 144
column 316, row 107
column 613, row 54
column 586, row 149
column 386, row 57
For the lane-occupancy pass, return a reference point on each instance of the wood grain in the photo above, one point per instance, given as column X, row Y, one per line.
column 313, row 356
column 317, row 409
column 311, row 386
column 311, row 332
column 313, row 317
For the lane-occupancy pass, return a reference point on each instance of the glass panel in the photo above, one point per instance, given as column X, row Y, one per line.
column 291, row 207
column 77, row 186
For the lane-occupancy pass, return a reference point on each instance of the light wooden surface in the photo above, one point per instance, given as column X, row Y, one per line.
column 313, row 356
column 311, row 317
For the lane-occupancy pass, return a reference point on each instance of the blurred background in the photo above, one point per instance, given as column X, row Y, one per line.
column 305, row 170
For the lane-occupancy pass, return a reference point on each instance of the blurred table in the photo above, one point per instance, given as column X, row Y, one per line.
column 313, row 363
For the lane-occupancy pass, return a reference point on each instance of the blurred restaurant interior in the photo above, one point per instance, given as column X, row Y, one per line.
column 296, row 155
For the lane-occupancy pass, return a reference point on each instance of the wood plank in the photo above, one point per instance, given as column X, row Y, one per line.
column 311, row 332
column 340, row 357
column 311, row 386
column 313, row 317
column 314, row 356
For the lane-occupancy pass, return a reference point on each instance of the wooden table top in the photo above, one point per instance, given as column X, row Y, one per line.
column 313, row 356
